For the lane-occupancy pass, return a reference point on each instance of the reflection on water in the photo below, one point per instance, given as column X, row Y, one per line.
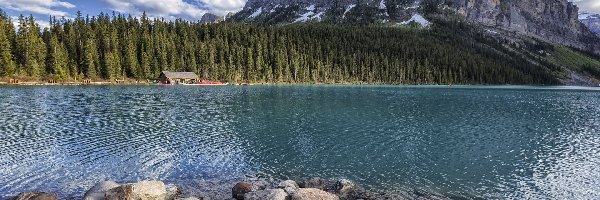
column 459, row 142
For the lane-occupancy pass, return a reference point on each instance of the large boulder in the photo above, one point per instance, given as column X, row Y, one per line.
column 172, row 192
column 316, row 182
column 97, row 192
column 240, row 189
column 123, row 192
column 289, row 187
column 345, row 187
column 34, row 196
column 268, row 194
column 145, row 190
column 288, row 184
column 313, row 194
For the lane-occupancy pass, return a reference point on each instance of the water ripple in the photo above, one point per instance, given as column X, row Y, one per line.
column 516, row 143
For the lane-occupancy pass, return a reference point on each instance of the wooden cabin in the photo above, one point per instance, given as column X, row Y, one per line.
column 167, row 77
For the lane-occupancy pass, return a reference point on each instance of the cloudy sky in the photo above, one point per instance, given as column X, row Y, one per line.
column 170, row 9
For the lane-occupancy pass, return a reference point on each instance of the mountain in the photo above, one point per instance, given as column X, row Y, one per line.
column 293, row 11
column 210, row 18
column 554, row 21
column 592, row 21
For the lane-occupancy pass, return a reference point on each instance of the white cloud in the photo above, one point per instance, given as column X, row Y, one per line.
column 588, row 5
column 44, row 7
column 223, row 6
column 158, row 8
column 171, row 9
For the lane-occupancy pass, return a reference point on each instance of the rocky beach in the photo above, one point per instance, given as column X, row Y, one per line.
column 308, row 189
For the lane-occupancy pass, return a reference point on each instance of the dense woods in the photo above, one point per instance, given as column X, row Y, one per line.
column 109, row 47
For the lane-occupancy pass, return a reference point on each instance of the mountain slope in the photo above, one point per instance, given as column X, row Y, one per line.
column 592, row 21
column 554, row 21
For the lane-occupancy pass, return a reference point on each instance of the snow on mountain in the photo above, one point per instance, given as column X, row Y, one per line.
column 417, row 18
column 591, row 20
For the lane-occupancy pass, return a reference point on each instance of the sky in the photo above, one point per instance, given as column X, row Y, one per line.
column 168, row 9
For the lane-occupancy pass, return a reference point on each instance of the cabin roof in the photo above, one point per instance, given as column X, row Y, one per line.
column 180, row 75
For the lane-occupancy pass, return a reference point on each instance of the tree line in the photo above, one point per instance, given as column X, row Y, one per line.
column 109, row 47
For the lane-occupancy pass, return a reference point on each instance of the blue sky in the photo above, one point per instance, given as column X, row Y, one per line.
column 169, row 9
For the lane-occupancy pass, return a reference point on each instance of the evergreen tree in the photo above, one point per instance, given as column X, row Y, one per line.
column 7, row 64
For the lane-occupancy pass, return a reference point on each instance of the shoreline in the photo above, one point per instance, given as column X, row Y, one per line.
column 295, row 84
column 305, row 189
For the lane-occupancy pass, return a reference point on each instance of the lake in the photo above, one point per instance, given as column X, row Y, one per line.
column 489, row 142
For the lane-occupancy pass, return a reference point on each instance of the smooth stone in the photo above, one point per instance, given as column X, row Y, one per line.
column 316, row 182
column 119, row 193
column 172, row 192
column 145, row 190
column 269, row 194
column 344, row 187
column 240, row 189
column 313, row 194
column 34, row 196
column 288, row 184
column 97, row 192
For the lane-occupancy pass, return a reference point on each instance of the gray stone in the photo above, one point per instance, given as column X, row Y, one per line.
column 269, row 194
column 240, row 189
column 97, row 192
column 316, row 182
column 172, row 192
column 34, row 196
column 344, row 186
column 313, row 194
column 145, row 190
column 288, row 184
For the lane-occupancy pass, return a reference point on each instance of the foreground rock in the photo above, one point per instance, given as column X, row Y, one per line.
column 34, row 196
column 345, row 188
column 240, row 189
column 145, row 190
column 316, row 182
column 289, row 189
column 97, row 192
column 313, row 194
column 268, row 194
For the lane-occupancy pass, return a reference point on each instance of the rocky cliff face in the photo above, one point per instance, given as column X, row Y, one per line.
column 549, row 20
column 211, row 18
column 555, row 21
column 592, row 21
column 292, row 11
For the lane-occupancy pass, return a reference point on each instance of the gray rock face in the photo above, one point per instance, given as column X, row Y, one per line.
column 592, row 22
column 210, row 18
column 291, row 11
column 553, row 21
column 269, row 194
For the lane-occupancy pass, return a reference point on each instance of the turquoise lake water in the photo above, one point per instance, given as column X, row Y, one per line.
column 487, row 142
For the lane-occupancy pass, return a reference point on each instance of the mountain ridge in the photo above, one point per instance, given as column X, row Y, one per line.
column 554, row 21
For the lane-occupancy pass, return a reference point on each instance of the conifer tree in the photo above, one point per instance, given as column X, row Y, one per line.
column 7, row 64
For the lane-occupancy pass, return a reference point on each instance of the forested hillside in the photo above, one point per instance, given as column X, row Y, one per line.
column 109, row 47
